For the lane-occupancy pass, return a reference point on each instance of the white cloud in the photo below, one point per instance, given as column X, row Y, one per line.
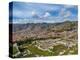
column 47, row 14
column 33, row 13
column 67, row 14
column 62, row 11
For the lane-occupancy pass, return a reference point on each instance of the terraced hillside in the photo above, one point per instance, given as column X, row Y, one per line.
column 45, row 39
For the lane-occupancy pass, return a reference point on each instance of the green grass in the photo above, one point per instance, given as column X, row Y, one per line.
column 15, row 50
column 74, row 49
column 54, row 51
column 57, row 49
column 34, row 50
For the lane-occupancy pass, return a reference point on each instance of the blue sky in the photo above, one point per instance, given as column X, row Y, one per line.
column 39, row 12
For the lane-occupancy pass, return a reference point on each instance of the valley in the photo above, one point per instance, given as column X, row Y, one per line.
column 45, row 39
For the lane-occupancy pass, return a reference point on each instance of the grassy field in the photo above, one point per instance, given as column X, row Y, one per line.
column 35, row 51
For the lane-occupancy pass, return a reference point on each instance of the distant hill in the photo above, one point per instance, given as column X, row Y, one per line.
column 18, row 27
column 42, row 30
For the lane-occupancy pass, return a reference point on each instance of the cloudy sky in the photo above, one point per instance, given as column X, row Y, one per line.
column 39, row 12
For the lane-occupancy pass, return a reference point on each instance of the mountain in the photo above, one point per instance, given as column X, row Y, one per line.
column 43, row 30
column 44, row 39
